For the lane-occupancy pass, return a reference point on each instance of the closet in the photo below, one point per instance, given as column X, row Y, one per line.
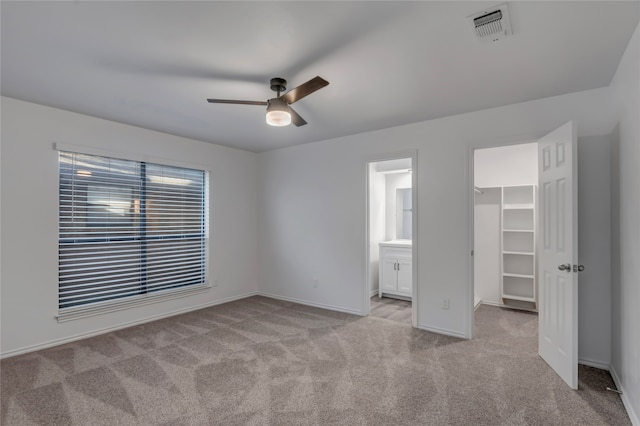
column 505, row 211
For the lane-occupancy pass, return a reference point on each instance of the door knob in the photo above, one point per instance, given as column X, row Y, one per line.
column 565, row 267
column 578, row 268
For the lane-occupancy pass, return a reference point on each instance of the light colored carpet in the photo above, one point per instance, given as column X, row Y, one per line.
column 261, row 361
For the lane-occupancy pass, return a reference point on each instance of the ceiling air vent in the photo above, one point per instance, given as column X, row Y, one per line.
column 492, row 24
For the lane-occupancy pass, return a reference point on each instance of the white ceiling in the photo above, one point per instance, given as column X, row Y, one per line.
column 153, row 64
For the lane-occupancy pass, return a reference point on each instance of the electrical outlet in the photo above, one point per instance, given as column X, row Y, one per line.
column 445, row 303
column 315, row 283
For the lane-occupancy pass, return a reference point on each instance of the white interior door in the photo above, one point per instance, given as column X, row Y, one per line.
column 558, row 248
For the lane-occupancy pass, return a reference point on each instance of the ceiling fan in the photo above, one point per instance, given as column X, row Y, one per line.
column 279, row 112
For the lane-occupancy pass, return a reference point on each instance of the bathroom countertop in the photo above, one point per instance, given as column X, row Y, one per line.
column 396, row 243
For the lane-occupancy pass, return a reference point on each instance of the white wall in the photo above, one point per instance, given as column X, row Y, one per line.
column 29, row 219
column 486, row 245
column 506, row 165
column 625, row 332
column 312, row 222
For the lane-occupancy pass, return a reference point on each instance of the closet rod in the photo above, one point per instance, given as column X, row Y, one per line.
column 476, row 189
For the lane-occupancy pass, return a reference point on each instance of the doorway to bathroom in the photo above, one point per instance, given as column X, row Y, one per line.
column 391, row 272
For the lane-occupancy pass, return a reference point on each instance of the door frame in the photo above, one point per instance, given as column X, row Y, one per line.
column 471, row 220
column 413, row 154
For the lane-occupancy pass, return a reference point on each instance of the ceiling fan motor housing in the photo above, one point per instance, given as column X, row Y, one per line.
column 278, row 84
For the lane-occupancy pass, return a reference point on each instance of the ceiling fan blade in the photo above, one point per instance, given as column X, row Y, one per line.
column 304, row 89
column 296, row 119
column 228, row 101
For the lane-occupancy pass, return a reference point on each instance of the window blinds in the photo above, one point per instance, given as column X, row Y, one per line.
column 128, row 229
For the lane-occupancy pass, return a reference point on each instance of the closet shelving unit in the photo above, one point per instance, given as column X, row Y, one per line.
column 518, row 277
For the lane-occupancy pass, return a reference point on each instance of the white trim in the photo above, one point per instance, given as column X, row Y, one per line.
column 476, row 305
column 106, row 330
column 470, row 312
column 502, row 305
column 444, row 331
column 132, row 156
column 71, row 314
column 490, row 303
column 595, row 364
column 396, row 296
column 415, row 226
column 366, row 306
column 373, row 293
column 314, row 304
column 633, row 416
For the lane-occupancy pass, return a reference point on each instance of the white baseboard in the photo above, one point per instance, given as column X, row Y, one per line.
column 502, row 305
column 310, row 303
column 442, row 331
column 476, row 302
column 626, row 400
column 374, row 293
column 56, row 342
column 594, row 364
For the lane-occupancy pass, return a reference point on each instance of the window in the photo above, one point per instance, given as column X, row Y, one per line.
column 128, row 231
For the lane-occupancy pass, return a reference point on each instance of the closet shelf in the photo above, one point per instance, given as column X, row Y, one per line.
column 509, row 274
column 522, row 298
column 518, row 206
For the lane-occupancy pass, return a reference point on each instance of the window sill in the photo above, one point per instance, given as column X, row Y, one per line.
column 71, row 314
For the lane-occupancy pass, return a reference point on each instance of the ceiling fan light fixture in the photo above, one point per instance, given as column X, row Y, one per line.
column 278, row 113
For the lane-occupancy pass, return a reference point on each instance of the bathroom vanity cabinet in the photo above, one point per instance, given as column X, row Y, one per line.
column 396, row 268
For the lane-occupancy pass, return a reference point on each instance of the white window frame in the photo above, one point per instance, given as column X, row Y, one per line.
column 83, row 311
